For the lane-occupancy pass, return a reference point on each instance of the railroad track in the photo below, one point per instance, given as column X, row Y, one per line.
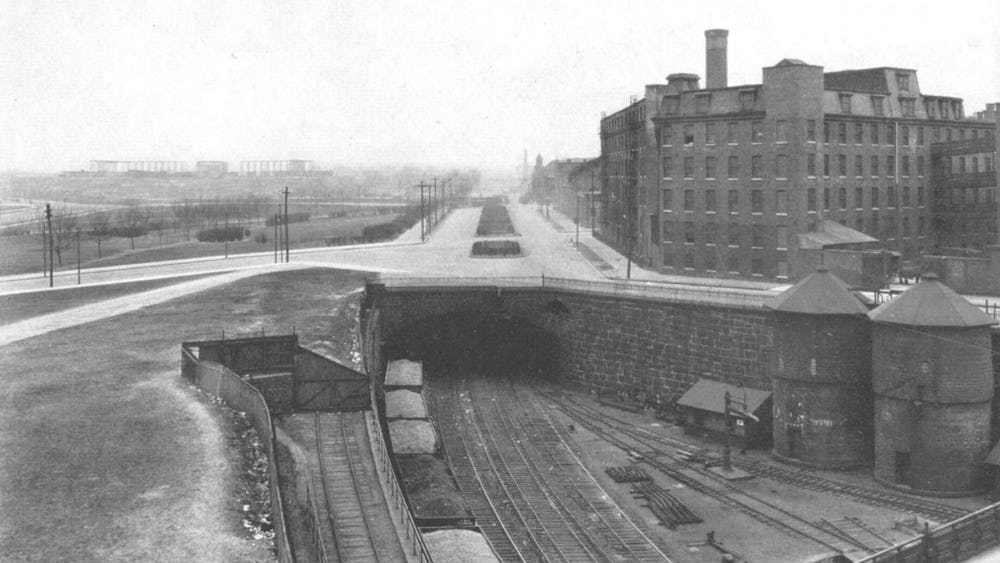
column 474, row 489
column 715, row 487
column 805, row 479
column 345, row 491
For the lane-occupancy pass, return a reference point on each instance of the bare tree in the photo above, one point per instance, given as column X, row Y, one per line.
column 133, row 221
column 64, row 227
column 100, row 228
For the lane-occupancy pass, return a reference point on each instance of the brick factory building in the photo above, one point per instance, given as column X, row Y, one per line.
column 765, row 180
column 562, row 182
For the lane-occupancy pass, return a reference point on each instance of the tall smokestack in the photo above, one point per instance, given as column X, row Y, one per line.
column 715, row 58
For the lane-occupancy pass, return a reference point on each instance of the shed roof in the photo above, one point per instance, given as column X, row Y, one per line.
column 931, row 303
column 708, row 395
column 863, row 80
column 832, row 233
column 820, row 293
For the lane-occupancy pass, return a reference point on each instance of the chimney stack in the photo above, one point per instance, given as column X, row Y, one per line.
column 715, row 58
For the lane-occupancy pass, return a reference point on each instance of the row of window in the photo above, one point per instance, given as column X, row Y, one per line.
column 780, row 201
column 781, row 166
column 734, row 262
column 874, row 197
column 840, row 132
column 768, row 237
column 976, row 164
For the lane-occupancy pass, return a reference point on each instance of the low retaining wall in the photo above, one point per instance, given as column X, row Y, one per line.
column 956, row 541
column 240, row 395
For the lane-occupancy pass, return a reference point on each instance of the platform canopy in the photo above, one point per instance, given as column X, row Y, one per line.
column 819, row 293
column 931, row 303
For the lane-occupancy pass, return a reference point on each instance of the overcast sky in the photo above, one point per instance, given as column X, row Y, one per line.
column 441, row 82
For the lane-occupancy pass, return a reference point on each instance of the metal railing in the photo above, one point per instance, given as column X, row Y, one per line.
column 753, row 298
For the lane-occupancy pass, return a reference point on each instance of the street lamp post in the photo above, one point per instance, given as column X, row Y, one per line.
column 578, row 220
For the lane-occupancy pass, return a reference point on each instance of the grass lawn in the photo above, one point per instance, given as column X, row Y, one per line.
column 15, row 308
column 109, row 456
column 22, row 254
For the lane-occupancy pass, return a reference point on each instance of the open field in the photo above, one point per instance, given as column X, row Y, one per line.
column 21, row 254
column 108, row 456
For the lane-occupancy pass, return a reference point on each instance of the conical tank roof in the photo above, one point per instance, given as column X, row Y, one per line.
column 933, row 304
column 820, row 293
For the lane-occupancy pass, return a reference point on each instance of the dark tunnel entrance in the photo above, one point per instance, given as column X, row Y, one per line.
column 463, row 344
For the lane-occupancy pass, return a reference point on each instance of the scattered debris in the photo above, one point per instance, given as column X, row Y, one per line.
column 627, row 474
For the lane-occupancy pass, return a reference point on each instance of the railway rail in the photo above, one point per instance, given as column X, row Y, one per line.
column 936, row 511
column 348, row 490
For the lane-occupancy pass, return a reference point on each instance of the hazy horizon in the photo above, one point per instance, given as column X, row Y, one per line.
column 453, row 84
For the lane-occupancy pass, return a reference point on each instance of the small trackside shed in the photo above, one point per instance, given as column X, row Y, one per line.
column 702, row 411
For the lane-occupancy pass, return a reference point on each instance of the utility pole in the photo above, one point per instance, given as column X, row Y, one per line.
column 48, row 220
column 578, row 221
column 434, row 206
column 423, row 232
column 77, row 256
column 277, row 219
column 287, row 243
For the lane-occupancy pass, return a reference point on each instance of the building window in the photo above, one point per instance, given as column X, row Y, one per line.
column 826, row 132
column 757, row 236
column 920, row 136
column 811, row 130
column 781, row 202
column 781, row 234
column 668, row 231
column 904, row 135
column 734, row 167
column 859, row 197
column 782, row 269
column 947, row 134
column 688, row 259
column 668, row 167
column 859, row 133
column 711, row 262
column 890, row 166
column 710, row 134
column 961, row 165
column 734, row 234
column 859, row 224
column 810, row 165
column 781, row 131
column 878, row 107
column 890, row 135
column 921, row 226
column 826, row 199
column 842, row 197
column 688, row 200
column 920, row 165
column 904, row 165
column 903, row 81
column 756, row 201
column 842, row 133
column 890, row 196
column 734, row 201
column 929, row 108
column 906, row 196
column 756, row 132
column 961, row 134
column 756, row 267
column 908, row 106
column 826, row 165
column 876, row 227
column 874, row 166
column 920, row 196
column 842, row 165
column 859, row 165
column 689, row 167
column 709, row 167
column 747, row 100
column 702, row 102
column 811, row 199
column 756, row 166
column 845, row 103
column 711, row 205
column 668, row 199
column 733, row 132
column 781, row 166
column 670, row 104
column 668, row 257
column 689, row 232
column 667, row 135
column 711, row 233
column 874, row 130
column 688, row 134
column 906, row 227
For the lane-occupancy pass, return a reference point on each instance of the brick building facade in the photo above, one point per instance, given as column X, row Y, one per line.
column 733, row 181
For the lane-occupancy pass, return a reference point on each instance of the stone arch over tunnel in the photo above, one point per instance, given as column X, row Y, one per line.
column 493, row 343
